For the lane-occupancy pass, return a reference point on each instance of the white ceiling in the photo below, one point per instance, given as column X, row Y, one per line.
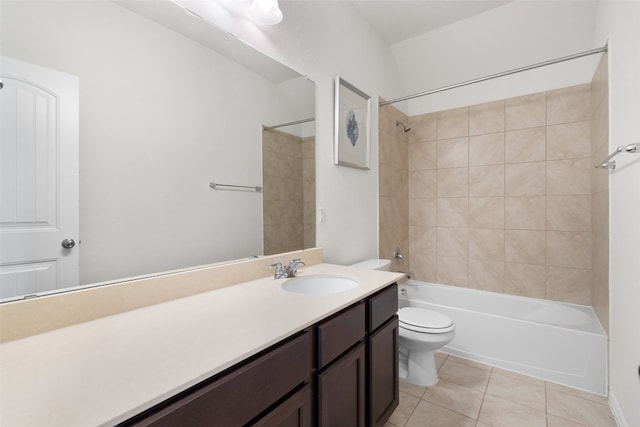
column 398, row 20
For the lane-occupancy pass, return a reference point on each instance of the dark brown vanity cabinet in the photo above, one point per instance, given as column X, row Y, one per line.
column 272, row 389
column 342, row 371
column 359, row 387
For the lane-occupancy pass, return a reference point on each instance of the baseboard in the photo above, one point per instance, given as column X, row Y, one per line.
column 617, row 411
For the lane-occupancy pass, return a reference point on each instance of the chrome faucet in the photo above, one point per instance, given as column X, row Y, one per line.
column 293, row 267
column 282, row 272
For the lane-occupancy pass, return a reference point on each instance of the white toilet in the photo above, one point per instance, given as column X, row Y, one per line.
column 422, row 332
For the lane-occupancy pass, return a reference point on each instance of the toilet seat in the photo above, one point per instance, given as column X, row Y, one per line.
column 424, row 321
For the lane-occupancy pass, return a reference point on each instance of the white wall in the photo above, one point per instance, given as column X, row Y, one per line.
column 160, row 117
column 300, row 94
column 620, row 22
column 515, row 35
column 324, row 40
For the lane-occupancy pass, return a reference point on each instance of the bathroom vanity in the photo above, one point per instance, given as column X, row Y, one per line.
column 341, row 371
column 247, row 353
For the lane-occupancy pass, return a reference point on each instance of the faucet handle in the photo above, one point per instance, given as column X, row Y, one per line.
column 279, row 270
column 291, row 270
column 295, row 263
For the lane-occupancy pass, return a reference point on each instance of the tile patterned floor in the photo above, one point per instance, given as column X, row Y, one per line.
column 471, row 394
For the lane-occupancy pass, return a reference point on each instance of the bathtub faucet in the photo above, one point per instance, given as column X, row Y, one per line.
column 397, row 256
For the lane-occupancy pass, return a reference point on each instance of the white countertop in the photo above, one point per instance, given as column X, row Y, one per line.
column 105, row 371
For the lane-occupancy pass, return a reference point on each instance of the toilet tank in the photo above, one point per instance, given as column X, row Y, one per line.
column 373, row 264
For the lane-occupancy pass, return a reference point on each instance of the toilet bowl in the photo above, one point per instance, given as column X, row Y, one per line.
column 421, row 333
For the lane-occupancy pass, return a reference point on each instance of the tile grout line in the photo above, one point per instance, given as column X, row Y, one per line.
column 484, row 395
column 546, row 406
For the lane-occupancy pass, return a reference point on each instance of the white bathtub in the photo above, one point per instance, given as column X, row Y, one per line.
column 557, row 342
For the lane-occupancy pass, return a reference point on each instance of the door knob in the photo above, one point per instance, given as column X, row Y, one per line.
column 68, row 243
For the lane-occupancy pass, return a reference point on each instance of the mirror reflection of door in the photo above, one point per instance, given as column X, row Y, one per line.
column 38, row 179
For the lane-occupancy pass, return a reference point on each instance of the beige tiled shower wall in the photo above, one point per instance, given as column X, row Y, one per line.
column 288, row 171
column 500, row 195
column 600, row 193
column 393, row 160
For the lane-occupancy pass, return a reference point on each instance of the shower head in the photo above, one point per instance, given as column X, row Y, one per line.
column 399, row 123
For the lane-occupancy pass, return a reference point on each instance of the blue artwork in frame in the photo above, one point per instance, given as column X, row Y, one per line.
column 352, row 126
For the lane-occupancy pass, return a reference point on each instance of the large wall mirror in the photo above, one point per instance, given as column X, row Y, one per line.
column 166, row 103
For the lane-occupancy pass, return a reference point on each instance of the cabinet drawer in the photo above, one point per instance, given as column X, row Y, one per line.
column 382, row 306
column 338, row 334
column 241, row 395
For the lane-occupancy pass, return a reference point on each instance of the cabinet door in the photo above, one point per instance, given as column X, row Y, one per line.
column 383, row 372
column 293, row 412
column 341, row 391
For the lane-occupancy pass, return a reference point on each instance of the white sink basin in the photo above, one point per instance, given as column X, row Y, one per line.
column 319, row 284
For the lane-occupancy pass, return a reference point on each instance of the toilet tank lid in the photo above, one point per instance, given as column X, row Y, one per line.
column 373, row 264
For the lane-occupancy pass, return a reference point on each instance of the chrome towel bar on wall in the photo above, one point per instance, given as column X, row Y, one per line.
column 217, row 186
column 611, row 164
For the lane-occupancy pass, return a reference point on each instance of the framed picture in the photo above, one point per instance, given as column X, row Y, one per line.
column 352, row 126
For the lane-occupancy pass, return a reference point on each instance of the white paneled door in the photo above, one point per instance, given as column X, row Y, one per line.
column 38, row 179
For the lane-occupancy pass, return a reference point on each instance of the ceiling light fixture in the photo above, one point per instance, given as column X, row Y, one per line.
column 265, row 12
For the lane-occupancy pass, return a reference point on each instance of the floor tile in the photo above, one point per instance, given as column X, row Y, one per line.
column 579, row 410
column 498, row 412
column 404, row 410
column 553, row 421
column 521, row 377
column 516, row 389
column 469, row 362
column 578, row 393
column 464, row 375
column 440, row 354
column 455, row 397
column 430, row 415
column 472, row 394
column 412, row 389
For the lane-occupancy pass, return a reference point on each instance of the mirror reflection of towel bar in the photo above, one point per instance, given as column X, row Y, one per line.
column 611, row 164
column 254, row 188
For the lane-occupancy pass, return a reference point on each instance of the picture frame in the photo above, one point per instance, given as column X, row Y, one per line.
column 352, row 126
